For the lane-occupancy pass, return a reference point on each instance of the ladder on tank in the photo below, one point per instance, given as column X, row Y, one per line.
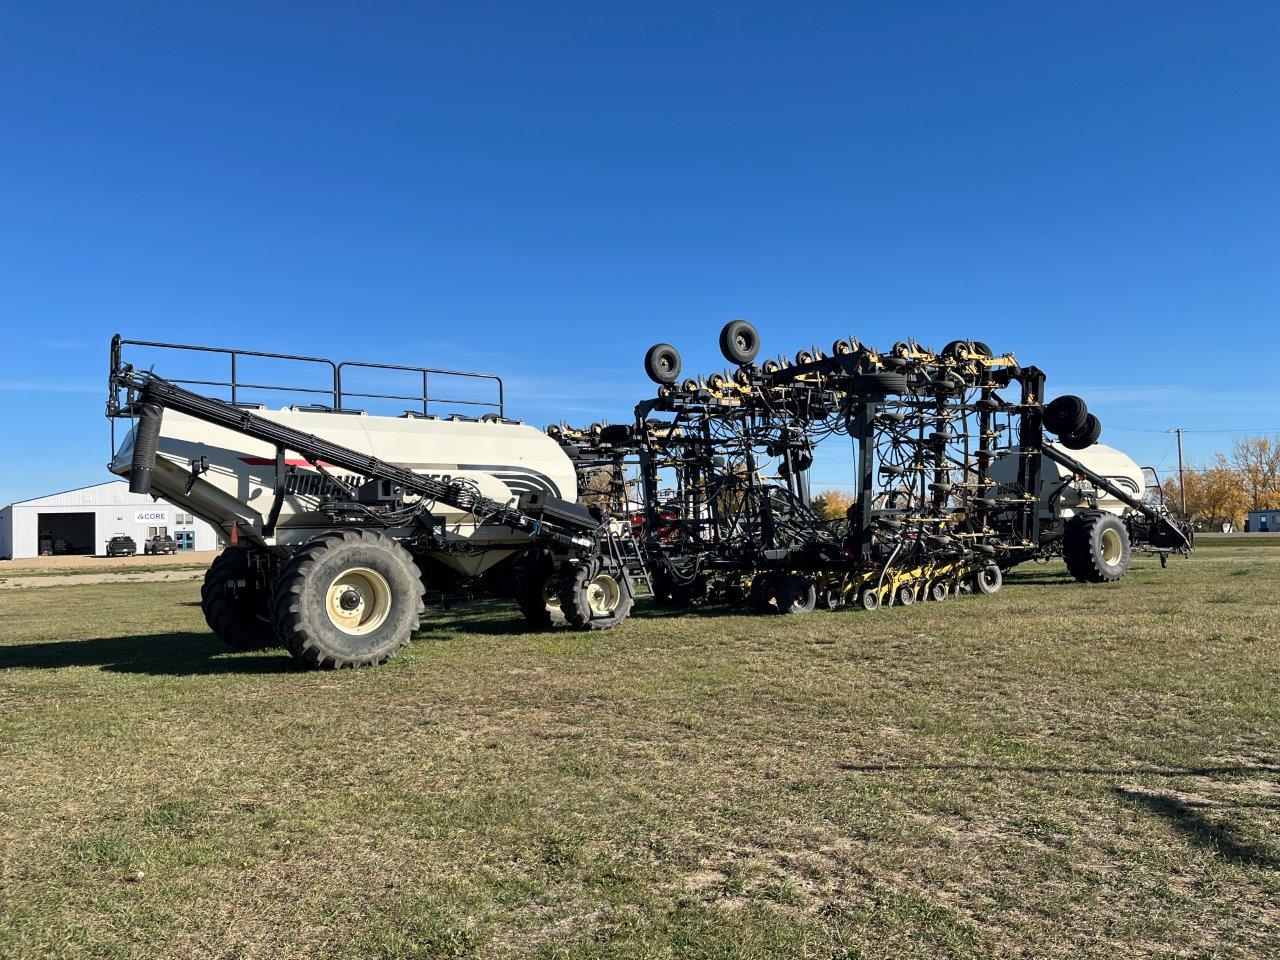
column 625, row 551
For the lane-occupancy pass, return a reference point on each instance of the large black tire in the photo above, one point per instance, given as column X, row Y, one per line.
column 796, row 594
column 662, row 363
column 764, row 590
column 538, row 592
column 881, row 383
column 1095, row 546
column 739, row 342
column 1086, row 436
column 349, row 598
column 594, row 596
column 988, row 580
column 234, row 605
column 1065, row 415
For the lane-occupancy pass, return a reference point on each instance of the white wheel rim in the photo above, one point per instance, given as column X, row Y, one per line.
column 358, row 601
column 603, row 595
column 1112, row 547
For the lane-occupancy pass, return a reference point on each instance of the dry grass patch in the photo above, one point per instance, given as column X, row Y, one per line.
column 1057, row 771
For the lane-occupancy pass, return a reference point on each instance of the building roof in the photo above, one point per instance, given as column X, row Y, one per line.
column 110, row 493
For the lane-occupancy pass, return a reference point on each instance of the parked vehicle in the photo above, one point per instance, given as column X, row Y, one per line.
column 160, row 544
column 121, row 546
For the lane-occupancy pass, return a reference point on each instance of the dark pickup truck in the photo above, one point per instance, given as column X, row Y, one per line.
column 160, row 544
column 121, row 546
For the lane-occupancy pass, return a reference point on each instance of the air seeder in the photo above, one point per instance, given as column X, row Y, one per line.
column 956, row 479
column 340, row 522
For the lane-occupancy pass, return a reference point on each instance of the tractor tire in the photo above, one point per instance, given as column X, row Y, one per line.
column 662, row 363
column 234, row 606
column 988, row 580
column 1086, row 436
column 739, row 342
column 350, row 598
column 1095, row 546
column 538, row 592
column 797, row 594
column 594, row 596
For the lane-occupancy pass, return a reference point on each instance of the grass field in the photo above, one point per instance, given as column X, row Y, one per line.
column 1058, row 771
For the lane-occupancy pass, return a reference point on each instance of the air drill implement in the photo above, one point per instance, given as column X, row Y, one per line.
column 339, row 523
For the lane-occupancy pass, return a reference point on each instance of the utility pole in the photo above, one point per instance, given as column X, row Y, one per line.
column 1182, row 485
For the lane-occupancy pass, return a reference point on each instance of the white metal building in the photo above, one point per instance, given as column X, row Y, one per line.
column 83, row 520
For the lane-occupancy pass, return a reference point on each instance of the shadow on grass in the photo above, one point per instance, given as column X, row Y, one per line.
column 1189, row 820
column 1064, row 771
column 164, row 654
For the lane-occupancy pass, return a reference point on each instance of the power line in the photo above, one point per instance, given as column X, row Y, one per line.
column 1253, row 430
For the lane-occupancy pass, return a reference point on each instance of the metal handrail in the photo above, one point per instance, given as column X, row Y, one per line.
column 336, row 394
column 426, row 399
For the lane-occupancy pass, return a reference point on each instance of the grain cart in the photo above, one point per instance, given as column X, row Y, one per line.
column 338, row 521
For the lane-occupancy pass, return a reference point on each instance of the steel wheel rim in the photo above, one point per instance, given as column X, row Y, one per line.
column 1112, row 547
column 604, row 593
column 358, row 601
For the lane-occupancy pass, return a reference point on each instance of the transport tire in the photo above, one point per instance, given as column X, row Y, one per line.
column 797, row 594
column 739, row 342
column 234, row 605
column 869, row 598
column 693, row 594
column 937, row 591
column 615, row 433
column 905, row 596
column 763, row 593
column 831, row 598
column 663, row 584
column 538, row 592
column 1066, row 414
column 594, row 596
column 1095, row 546
column 662, row 363
column 881, row 383
column 349, row 598
column 988, row 580
column 1086, row 436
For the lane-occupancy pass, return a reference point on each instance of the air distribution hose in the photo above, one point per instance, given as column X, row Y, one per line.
column 145, row 438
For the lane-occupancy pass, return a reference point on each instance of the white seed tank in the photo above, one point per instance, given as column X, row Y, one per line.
column 502, row 458
column 1060, row 495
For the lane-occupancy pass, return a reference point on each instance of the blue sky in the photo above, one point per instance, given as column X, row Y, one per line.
column 544, row 190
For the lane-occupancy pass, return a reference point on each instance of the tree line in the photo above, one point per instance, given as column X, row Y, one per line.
column 1245, row 477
